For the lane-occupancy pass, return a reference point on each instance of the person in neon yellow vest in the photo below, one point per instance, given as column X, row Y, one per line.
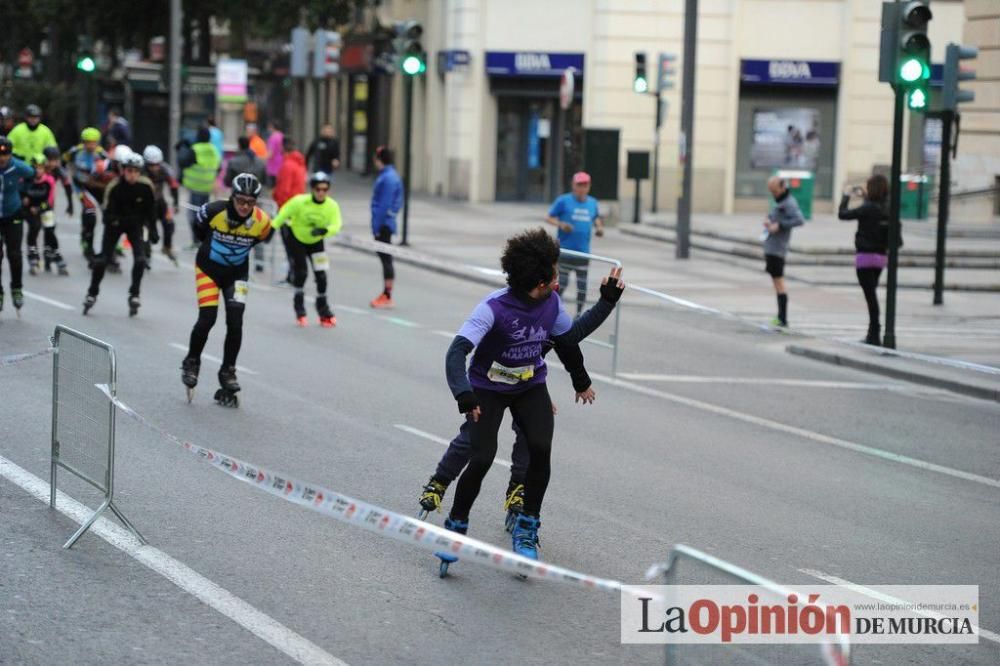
column 199, row 175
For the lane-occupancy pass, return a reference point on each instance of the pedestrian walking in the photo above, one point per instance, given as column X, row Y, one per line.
column 257, row 143
column 871, row 243
column 577, row 217
column 324, row 151
column 215, row 136
column 275, row 150
column 387, row 199
column 777, row 232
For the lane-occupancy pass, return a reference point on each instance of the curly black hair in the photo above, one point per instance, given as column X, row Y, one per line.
column 528, row 259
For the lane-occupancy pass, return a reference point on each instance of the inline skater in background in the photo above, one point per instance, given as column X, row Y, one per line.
column 12, row 172
column 31, row 137
column 387, row 200
column 54, row 167
column 227, row 231
column 311, row 217
column 36, row 198
column 89, row 168
column 129, row 207
column 161, row 175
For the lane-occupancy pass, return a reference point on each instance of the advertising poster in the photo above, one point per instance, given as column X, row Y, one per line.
column 785, row 138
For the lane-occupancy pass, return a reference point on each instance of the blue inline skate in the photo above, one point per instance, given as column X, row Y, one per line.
column 525, row 537
column 460, row 526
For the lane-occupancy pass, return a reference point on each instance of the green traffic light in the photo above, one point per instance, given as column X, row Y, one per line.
column 640, row 85
column 412, row 65
column 86, row 64
column 917, row 100
column 911, row 70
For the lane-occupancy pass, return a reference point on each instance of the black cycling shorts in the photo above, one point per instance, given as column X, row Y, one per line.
column 774, row 265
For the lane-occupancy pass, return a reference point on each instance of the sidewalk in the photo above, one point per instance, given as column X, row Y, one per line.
column 451, row 234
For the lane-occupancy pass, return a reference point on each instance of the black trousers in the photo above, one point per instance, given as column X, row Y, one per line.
column 459, row 452
column 301, row 257
column 532, row 409
column 109, row 241
column 868, row 279
column 385, row 235
column 11, row 237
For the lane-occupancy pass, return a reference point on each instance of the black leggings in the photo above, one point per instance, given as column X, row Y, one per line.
column 11, row 236
column 868, row 279
column 51, row 242
column 532, row 409
column 385, row 235
column 109, row 241
column 234, row 332
column 301, row 256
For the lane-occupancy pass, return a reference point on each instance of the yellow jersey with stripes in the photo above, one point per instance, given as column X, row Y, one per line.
column 226, row 239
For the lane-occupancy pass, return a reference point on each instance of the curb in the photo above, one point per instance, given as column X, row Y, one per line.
column 974, row 391
column 739, row 253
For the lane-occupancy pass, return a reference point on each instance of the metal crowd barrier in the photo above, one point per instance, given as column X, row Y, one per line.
column 832, row 654
column 83, row 420
column 570, row 289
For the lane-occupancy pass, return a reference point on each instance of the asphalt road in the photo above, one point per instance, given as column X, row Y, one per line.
column 715, row 438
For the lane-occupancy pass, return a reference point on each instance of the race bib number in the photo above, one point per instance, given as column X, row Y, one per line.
column 321, row 261
column 501, row 374
column 48, row 219
column 240, row 291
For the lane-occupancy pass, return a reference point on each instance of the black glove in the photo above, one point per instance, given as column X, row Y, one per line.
column 466, row 402
column 611, row 292
column 319, row 231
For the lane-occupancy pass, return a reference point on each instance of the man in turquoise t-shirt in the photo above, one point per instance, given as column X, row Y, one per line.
column 577, row 215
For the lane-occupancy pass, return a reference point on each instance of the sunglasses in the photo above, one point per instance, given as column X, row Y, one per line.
column 244, row 201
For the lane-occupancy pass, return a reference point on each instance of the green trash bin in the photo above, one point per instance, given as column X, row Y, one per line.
column 800, row 184
column 914, row 196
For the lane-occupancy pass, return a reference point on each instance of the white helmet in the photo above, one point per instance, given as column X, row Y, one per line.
column 152, row 155
column 121, row 152
column 132, row 159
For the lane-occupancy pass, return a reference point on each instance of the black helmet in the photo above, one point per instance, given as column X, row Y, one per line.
column 32, row 110
column 247, row 184
column 6, row 147
column 317, row 178
column 51, row 153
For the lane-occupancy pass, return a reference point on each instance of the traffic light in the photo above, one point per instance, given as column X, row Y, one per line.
column 410, row 53
column 952, row 95
column 86, row 64
column 666, row 72
column 916, row 99
column 913, row 57
column 640, row 83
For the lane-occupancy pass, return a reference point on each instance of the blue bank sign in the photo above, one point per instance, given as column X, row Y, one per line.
column 532, row 63
column 790, row 72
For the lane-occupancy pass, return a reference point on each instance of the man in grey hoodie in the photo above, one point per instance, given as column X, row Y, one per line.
column 779, row 223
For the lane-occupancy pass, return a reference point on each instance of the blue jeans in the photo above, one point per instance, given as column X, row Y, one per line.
column 459, row 453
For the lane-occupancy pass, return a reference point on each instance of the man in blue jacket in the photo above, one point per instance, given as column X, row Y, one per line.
column 12, row 172
column 387, row 199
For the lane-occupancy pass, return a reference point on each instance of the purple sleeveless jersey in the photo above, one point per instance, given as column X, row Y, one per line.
column 509, row 335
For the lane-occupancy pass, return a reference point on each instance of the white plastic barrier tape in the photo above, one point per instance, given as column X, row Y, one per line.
column 14, row 359
column 373, row 518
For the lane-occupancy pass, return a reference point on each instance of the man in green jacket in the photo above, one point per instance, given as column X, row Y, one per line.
column 31, row 137
column 199, row 176
column 312, row 217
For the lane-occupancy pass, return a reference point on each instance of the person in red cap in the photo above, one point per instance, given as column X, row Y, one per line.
column 577, row 216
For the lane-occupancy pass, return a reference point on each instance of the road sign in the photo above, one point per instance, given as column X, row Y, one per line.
column 566, row 88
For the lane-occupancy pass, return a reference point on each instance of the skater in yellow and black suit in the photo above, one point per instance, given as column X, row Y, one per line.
column 227, row 231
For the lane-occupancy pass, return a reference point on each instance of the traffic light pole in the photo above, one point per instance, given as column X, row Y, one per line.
column 894, row 231
column 687, row 129
column 408, row 103
column 656, row 147
column 944, row 195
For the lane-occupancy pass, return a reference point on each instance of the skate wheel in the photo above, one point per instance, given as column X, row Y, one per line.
column 424, row 513
column 443, row 570
column 190, row 395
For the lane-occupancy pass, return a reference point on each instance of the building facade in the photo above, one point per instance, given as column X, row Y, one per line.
column 780, row 84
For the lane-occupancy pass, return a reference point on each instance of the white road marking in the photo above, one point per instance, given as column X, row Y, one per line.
column 405, row 323
column 443, row 442
column 212, row 595
column 794, row 430
column 881, row 596
column 696, row 379
column 48, row 301
column 443, row 334
column 213, row 359
column 351, row 308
